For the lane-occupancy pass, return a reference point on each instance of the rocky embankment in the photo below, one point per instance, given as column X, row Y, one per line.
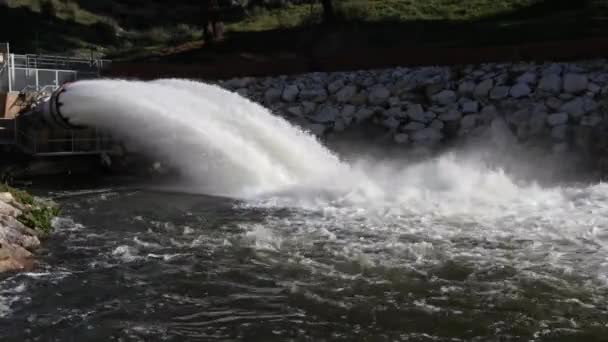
column 23, row 221
column 559, row 106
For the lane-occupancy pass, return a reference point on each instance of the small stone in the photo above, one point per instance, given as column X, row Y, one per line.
column 402, row 138
column 489, row 112
column 427, row 135
column 466, row 88
column 499, row 92
column 589, row 105
column 538, row 122
column 527, row 78
column 363, row 114
column 594, row 88
column 379, row 96
column 290, row 93
column 559, row 132
column 317, row 129
column 520, row 90
column 391, row 123
column 339, row 125
column 326, row 114
column 295, row 111
column 576, row 107
column 437, row 124
column 591, row 120
column 452, row 115
column 318, row 95
column 445, row 97
column 470, row 107
column 395, row 112
column 272, row 95
column 308, row 107
column 469, row 121
column 415, row 111
column 348, row 111
column 554, row 103
column 335, row 86
column 394, row 101
column 551, row 83
column 483, row 88
column 557, row 119
column 575, row 83
column 413, row 126
column 244, row 92
column 346, row 94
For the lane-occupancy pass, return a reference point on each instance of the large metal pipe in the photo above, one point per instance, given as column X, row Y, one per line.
column 51, row 111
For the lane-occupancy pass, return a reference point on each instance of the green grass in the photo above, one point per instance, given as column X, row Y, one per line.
column 38, row 214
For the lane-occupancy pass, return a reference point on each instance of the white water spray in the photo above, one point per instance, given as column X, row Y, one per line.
column 224, row 143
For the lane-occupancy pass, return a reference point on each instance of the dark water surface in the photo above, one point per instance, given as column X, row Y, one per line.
column 135, row 265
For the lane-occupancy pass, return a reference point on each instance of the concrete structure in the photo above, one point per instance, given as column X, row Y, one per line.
column 28, row 80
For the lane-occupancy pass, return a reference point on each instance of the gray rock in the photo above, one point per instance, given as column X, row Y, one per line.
column 557, row 119
column 391, row 123
column 551, row 83
column 483, row 88
column 470, row 107
column 395, row 112
column 589, row 105
column 499, row 92
column 466, row 88
column 437, row 124
column 415, row 111
column 425, row 117
column 560, row 148
column 348, row 111
column 538, row 122
column 575, row 83
column 363, row 114
column 520, row 90
column 244, row 92
column 576, row 107
column 452, row 115
column 559, row 132
column 346, row 94
column 427, row 135
column 237, row 83
column 290, row 93
column 315, row 94
column 594, row 88
column 527, row 78
column 334, row 86
column 295, row 111
column 402, row 138
column 339, row 125
column 591, row 120
column 308, row 107
column 445, row 97
column 317, row 129
column 394, row 101
column 326, row 114
column 379, row 96
column 413, row 126
column 500, row 133
column 489, row 112
column 469, row 121
column 272, row 95
column 554, row 103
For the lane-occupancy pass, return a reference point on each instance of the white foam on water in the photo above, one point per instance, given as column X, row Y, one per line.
column 226, row 144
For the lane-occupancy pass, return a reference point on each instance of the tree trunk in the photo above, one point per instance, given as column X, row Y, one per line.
column 329, row 15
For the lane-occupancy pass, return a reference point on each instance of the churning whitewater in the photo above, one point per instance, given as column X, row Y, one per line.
column 306, row 246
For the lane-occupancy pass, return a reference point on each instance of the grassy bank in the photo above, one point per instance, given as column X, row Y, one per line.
column 122, row 29
column 36, row 213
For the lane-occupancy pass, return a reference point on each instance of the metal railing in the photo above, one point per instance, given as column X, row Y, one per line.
column 58, row 62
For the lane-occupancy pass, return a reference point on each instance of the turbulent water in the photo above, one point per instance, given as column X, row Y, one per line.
column 304, row 246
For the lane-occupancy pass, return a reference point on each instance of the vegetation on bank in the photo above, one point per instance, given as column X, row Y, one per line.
column 38, row 214
column 122, row 28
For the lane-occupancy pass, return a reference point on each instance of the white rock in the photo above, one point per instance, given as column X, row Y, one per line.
column 483, row 88
column 452, row 115
column 520, row 90
column 576, row 107
column 335, row 86
column 527, row 78
column 326, row 114
column 427, row 135
column 290, row 93
column 499, row 92
column 413, row 126
column 379, row 95
column 591, row 120
column 466, row 88
column 445, row 97
column 559, row 132
column 470, row 107
column 557, row 119
column 575, row 83
column 346, row 94
column 402, row 138
column 272, row 95
column 551, row 83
